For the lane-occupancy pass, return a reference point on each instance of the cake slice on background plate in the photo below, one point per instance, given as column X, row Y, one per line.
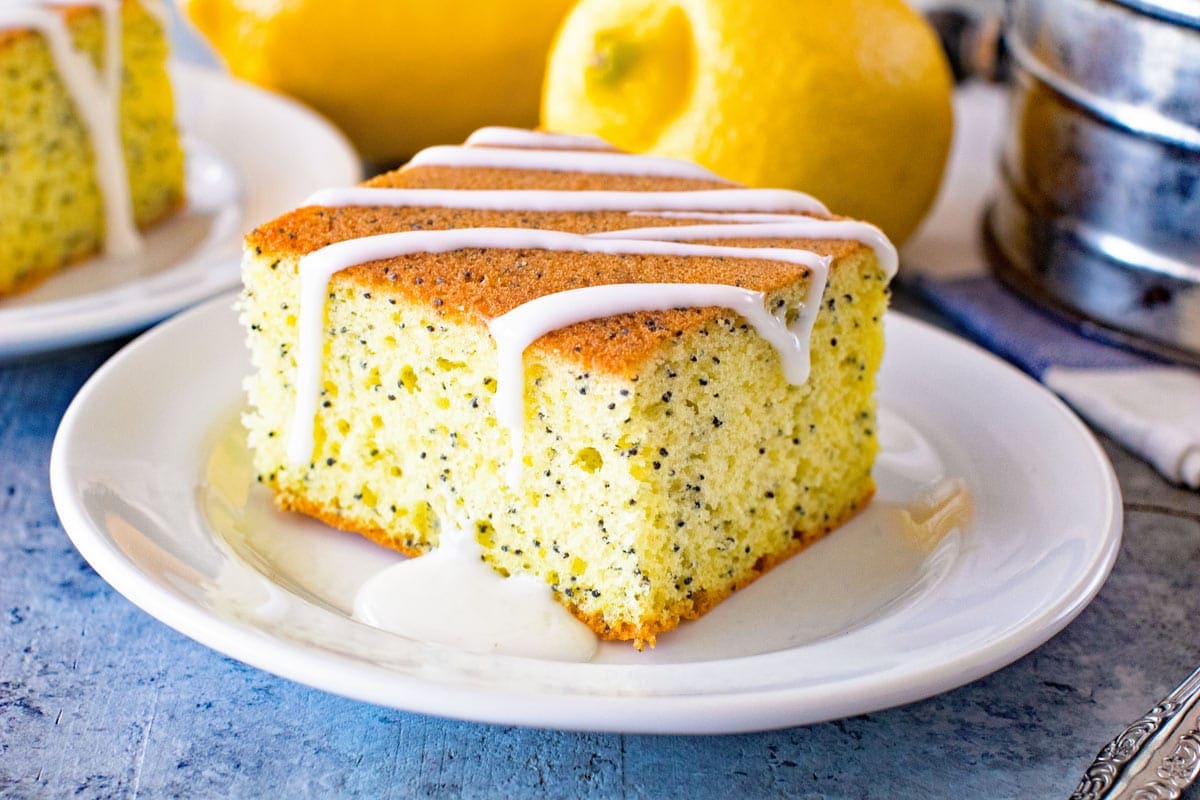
column 89, row 148
column 636, row 381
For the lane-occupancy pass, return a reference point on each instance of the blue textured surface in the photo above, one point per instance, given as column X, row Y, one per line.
column 97, row 699
column 1018, row 331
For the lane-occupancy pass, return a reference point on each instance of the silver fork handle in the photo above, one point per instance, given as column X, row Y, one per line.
column 1155, row 758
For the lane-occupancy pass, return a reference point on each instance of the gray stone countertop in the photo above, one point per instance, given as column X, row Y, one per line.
column 97, row 699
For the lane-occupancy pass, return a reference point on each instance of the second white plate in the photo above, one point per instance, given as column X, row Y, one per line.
column 251, row 155
column 153, row 485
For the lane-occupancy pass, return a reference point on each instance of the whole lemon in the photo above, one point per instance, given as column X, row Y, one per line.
column 396, row 76
column 849, row 100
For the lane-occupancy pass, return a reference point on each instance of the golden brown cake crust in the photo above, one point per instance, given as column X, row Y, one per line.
column 439, row 177
column 331, row 517
column 482, row 284
column 477, row 285
column 310, row 228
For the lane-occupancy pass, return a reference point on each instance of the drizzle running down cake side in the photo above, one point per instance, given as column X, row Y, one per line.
column 597, row 363
column 91, row 152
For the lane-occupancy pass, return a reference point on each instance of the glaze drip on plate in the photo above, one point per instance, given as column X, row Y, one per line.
column 452, row 596
column 97, row 98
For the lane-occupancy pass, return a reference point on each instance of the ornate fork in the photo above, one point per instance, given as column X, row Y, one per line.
column 1155, row 758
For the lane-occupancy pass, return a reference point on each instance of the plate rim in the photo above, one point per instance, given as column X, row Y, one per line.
column 704, row 713
column 63, row 324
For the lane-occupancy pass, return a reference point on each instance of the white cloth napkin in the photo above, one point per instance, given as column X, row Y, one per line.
column 1150, row 407
column 1154, row 411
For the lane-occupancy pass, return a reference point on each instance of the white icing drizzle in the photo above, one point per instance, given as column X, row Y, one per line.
column 527, row 323
column 742, row 213
column 317, row 268
column 97, row 98
column 801, row 227
column 497, row 136
column 719, row 216
column 591, row 161
column 705, row 200
column 792, row 228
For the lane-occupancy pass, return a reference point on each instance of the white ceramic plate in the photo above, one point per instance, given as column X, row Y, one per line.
column 251, row 155
column 154, row 487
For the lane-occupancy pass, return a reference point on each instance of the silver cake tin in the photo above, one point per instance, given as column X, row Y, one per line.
column 1098, row 210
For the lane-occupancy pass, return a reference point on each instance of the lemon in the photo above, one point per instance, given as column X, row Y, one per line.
column 847, row 100
column 396, row 76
